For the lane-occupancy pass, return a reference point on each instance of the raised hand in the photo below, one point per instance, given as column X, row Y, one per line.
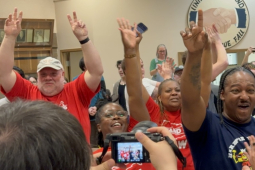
column 12, row 26
column 138, row 38
column 79, row 28
column 213, row 34
column 194, row 38
column 128, row 35
column 250, row 151
column 167, row 68
column 250, row 50
column 92, row 111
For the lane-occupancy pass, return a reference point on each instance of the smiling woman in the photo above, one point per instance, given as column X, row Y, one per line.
column 110, row 118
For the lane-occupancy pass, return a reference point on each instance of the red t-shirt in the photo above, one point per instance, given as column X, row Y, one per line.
column 130, row 166
column 75, row 98
column 174, row 123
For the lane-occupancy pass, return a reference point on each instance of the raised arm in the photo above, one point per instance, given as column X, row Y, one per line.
column 12, row 28
column 247, row 54
column 193, row 106
column 137, row 106
column 219, row 52
column 206, row 70
column 167, row 68
column 91, row 57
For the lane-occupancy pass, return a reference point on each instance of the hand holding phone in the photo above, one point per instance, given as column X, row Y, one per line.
column 141, row 28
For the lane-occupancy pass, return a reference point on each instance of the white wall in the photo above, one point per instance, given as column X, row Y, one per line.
column 35, row 9
column 100, row 17
column 164, row 18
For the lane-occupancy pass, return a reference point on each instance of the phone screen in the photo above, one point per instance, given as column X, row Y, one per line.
column 129, row 152
column 141, row 28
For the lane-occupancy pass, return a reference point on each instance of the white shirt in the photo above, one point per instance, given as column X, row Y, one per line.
column 4, row 101
column 148, row 84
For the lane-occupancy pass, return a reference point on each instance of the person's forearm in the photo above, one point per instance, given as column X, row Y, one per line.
column 138, row 61
column 134, row 86
column 133, row 79
column 221, row 53
column 7, row 56
column 213, row 53
column 206, row 70
column 222, row 60
column 92, row 59
column 191, row 79
column 245, row 58
column 153, row 72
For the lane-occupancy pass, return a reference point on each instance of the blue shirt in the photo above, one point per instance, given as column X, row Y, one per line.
column 220, row 146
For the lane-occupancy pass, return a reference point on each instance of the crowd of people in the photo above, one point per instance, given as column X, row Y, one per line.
column 47, row 122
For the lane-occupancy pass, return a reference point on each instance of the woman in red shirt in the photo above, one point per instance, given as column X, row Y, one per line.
column 112, row 118
column 167, row 111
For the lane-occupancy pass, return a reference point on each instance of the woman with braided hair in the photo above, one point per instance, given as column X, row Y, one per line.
column 167, row 111
column 216, row 140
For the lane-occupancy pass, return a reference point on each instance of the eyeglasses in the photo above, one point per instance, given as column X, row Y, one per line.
column 112, row 114
column 161, row 51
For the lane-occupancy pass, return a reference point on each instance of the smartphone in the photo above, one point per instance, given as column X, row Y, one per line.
column 253, row 50
column 141, row 28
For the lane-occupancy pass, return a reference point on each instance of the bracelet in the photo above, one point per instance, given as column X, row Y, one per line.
column 130, row 56
column 84, row 41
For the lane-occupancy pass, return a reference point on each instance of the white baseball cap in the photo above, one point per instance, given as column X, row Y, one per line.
column 49, row 62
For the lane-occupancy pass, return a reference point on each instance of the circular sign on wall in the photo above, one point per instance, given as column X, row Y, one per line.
column 231, row 18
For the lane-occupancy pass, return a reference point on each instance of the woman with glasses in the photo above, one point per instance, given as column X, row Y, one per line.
column 167, row 111
column 161, row 54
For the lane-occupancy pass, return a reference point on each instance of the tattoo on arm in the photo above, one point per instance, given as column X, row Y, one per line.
column 195, row 75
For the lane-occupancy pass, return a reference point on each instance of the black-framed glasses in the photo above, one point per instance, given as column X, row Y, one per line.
column 112, row 114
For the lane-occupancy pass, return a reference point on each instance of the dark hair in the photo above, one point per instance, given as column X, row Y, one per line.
column 223, row 78
column 103, row 86
column 20, row 71
column 107, row 95
column 184, row 57
column 162, row 110
column 161, row 45
column 82, row 64
column 39, row 135
column 123, row 66
column 118, row 63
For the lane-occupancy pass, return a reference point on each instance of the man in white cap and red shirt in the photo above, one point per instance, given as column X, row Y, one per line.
column 74, row 96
